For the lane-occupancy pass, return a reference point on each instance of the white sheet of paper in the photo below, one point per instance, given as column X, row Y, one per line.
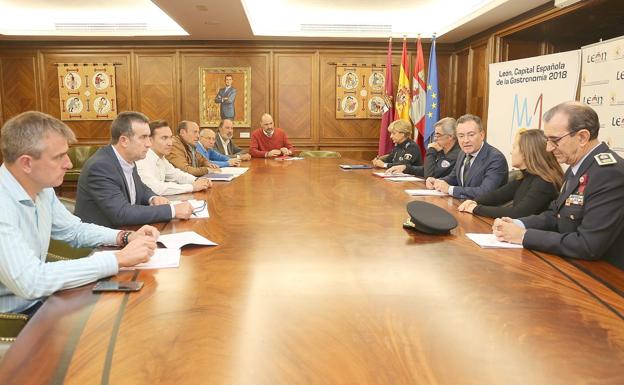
column 177, row 240
column 162, row 259
column 405, row 179
column 236, row 171
column 197, row 204
column 425, row 192
column 489, row 241
column 397, row 175
column 290, row 158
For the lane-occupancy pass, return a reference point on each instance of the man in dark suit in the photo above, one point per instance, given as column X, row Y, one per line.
column 110, row 191
column 586, row 221
column 225, row 97
column 224, row 143
column 480, row 168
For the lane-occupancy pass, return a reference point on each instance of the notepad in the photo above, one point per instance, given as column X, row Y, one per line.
column 200, row 208
column 162, row 259
column 425, row 192
column 177, row 240
column 355, row 166
column 489, row 241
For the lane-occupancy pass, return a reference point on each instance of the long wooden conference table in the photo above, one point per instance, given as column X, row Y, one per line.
column 314, row 281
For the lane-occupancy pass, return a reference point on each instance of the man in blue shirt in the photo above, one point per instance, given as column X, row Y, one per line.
column 34, row 147
column 204, row 146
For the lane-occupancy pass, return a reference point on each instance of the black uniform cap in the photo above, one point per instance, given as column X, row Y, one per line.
column 428, row 218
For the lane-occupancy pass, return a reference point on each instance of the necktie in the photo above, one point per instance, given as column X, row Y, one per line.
column 193, row 158
column 466, row 169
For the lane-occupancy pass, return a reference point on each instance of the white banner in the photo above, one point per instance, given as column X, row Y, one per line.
column 602, row 88
column 520, row 91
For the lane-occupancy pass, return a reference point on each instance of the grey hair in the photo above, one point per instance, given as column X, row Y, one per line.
column 448, row 125
column 580, row 116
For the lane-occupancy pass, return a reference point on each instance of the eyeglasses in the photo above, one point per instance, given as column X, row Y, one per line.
column 199, row 209
column 555, row 141
column 436, row 135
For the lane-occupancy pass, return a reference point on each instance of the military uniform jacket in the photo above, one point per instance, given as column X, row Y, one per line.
column 586, row 221
column 407, row 153
column 437, row 163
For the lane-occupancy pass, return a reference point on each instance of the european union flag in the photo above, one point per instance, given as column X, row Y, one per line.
column 432, row 111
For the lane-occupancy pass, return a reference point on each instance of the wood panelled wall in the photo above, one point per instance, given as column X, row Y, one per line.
column 294, row 82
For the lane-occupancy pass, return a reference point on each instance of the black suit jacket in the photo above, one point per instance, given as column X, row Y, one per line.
column 488, row 172
column 102, row 197
column 591, row 229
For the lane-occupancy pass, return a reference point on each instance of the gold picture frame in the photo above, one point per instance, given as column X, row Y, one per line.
column 219, row 101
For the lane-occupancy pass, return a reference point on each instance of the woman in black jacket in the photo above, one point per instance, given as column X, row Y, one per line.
column 539, row 183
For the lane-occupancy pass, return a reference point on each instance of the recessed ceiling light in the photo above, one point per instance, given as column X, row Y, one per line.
column 326, row 18
column 67, row 18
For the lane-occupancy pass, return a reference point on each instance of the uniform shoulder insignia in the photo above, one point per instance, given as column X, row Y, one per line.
column 605, row 158
column 408, row 156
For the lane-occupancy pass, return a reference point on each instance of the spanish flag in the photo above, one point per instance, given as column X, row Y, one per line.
column 418, row 98
column 403, row 100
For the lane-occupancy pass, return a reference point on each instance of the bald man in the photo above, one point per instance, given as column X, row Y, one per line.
column 269, row 141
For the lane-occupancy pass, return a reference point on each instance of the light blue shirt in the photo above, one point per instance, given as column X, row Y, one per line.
column 213, row 156
column 25, row 231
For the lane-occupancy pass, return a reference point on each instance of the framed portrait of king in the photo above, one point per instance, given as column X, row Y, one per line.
column 225, row 93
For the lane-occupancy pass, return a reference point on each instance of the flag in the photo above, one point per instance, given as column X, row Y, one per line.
column 432, row 111
column 403, row 99
column 385, row 144
column 419, row 95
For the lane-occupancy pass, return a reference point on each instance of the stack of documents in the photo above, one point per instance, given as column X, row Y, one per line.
column 489, row 241
column 425, row 192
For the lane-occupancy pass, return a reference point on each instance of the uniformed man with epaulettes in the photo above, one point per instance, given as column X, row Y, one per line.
column 405, row 151
column 586, row 221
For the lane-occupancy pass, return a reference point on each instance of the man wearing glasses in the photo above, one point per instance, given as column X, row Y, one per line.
column 586, row 221
column 441, row 154
column 480, row 167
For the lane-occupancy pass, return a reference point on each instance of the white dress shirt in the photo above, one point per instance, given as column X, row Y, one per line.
column 160, row 175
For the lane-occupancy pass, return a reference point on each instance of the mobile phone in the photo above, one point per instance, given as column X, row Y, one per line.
column 117, row 286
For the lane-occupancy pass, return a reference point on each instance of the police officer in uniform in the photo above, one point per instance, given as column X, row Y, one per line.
column 441, row 154
column 586, row 221
column 405, row 151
